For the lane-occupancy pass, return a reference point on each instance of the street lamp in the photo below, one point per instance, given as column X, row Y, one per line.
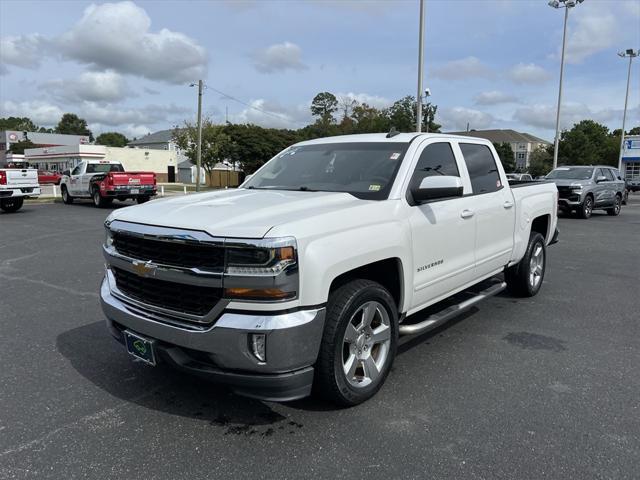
column 631, row 53
column 557, row 4
column 420, row 62
column 199, row 144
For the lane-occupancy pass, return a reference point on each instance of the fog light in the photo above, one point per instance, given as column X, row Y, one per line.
column 258, row 343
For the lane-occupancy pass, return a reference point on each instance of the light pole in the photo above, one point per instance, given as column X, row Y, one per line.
column 420, row 62
column 199, row 144
column 631, row 54
column 566, row 4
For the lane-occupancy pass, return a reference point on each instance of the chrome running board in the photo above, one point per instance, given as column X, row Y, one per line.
column 448, row 313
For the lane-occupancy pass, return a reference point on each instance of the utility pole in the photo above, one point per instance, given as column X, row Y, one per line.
column 631, row 54
column 199, row 146
column 420, row 62
column 557, row 4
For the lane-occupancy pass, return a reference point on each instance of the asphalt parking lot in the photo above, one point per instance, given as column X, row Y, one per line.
column 547, row 387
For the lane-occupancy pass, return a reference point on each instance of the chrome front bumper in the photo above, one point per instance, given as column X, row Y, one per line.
column 221, row 351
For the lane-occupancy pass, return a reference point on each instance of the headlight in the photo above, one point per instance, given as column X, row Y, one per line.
column 108, row 237
column 261, row 270
column 264, row 257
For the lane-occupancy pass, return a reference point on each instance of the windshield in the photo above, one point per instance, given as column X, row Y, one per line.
column 365, row 170
column 573, row 173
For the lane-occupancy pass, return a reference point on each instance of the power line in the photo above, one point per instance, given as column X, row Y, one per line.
column 266, row 112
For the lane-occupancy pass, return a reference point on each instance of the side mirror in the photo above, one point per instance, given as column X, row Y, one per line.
column 601, row 178
column 435, row 187
column 67, row 173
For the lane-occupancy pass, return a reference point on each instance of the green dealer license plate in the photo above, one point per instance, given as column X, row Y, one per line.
column 140, row 347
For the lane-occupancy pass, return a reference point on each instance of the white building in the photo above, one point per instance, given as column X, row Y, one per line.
column 163, row 163
column 631, row 157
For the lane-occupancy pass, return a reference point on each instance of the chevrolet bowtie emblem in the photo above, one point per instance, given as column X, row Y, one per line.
column 145, row 269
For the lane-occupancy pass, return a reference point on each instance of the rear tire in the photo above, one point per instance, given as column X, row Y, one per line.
column 358, row 343
column 524, row 279
column 66, row 197
column 10, row 205
column 617, row 205
column 98, row 200
column 586, row 209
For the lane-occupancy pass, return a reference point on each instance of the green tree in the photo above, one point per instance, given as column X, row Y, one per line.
column 634, row 131
column 23, row 124
column 541, row 161
column 369, row 119
column 402, row 115
column 112, row 139
column 19, row 147
column 71, row 124
column 587, row 143
column 507, row 157
column 217, row 146
column 323, row 106
column 253, row 146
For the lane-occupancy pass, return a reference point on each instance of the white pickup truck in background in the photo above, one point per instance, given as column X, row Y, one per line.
column 16, row 184
column 309, row 272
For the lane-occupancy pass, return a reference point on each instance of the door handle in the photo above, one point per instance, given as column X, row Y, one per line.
column 467, row 213
column 507, row 204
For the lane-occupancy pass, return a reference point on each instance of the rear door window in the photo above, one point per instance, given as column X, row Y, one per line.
column 482, row 168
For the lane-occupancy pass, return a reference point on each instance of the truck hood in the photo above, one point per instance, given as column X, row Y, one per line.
column 235, row 213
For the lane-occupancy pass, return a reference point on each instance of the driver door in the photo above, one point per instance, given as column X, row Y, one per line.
column 75, row 179
column 443, row 231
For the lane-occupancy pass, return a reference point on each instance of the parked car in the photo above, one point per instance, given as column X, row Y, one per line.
column 586, row 188
column 312, row 268
column 45, row 177
column 103, row 181
column 16, row 184
column 519, row 177
column 633, row 184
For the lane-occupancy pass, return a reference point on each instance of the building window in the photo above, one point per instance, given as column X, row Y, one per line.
column 521, row 156
column 522, row 146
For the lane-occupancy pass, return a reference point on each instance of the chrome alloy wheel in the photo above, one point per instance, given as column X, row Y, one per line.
column 366, row 343
column 536, row 266
column 617, row 205
column 588, row 206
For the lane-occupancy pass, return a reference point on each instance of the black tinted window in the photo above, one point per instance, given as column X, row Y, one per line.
column 482, row 168
column 104, row 168
column 436, row 159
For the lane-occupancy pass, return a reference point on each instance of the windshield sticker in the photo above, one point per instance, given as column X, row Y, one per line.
column 394, row 156
column 374, row 188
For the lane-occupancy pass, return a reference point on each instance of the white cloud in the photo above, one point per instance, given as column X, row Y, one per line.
column 128, row 130
column 464, row 68
column 278, row 58
column 117, row 36
column 108, row 86
column 371, row 100
column 273, row 115
column 457, row 118
column 48, row 114
column 544, row 116
column 528, row 73
column 494, row 97
column 23, row 51
column 594, row 31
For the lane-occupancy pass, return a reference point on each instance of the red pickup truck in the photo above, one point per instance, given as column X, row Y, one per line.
column 103, row 181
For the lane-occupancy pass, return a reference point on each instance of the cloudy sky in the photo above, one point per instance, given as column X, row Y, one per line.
column 127, row 66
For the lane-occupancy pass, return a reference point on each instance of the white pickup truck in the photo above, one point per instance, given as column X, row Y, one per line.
column 308, row 273
column 16, row 184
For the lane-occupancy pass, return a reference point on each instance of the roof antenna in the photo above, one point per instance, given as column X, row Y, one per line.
column 393, row 132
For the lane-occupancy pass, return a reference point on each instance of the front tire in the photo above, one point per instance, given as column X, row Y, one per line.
column 586, row 209
column 66, row 197
column 524, row 279
column 617, row 205
column 10, row 205
column 358, row 344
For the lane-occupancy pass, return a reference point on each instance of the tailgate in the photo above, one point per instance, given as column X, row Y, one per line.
column 21, row 178
column 133, row 178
